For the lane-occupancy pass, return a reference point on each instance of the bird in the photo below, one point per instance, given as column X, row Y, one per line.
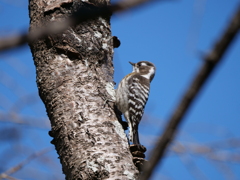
column 132, row 95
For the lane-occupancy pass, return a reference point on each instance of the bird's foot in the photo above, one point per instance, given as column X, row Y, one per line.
column 138, row 151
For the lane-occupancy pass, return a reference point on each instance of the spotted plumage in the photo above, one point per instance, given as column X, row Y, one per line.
column 132, row 95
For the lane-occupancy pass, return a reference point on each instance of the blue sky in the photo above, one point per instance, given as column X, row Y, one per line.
column 174, row 35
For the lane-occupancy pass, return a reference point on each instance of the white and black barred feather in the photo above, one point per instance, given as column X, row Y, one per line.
column 137, row 98
column 132, row 95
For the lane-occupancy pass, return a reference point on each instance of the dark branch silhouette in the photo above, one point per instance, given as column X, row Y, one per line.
column 80, row 16
column 211, row 60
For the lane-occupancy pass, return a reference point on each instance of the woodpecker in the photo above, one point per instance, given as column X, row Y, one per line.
column 132, row 95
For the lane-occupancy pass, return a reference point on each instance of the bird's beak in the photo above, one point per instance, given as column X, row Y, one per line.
column 132, row 63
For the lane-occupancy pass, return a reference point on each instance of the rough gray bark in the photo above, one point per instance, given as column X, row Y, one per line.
column 75, row 77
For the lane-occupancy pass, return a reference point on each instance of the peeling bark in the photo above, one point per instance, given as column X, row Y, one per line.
column 75, row 78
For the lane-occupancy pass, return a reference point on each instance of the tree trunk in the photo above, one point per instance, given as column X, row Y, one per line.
column 75, row 78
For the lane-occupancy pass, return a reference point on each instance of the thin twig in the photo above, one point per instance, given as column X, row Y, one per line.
column 191, row 166
column 211, row 60
column 29, row 121
column 23, row 163
column 224, row 168
column 206, row 151
column 5, row 176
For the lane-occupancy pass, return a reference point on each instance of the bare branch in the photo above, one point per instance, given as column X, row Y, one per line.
column 53, row 28
column 192, row 167
column 5, row 176
column 233, row 142
column 211, row 60
column 206, row 151
column 23, row 163
column 225, row 170
column 16, row 118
